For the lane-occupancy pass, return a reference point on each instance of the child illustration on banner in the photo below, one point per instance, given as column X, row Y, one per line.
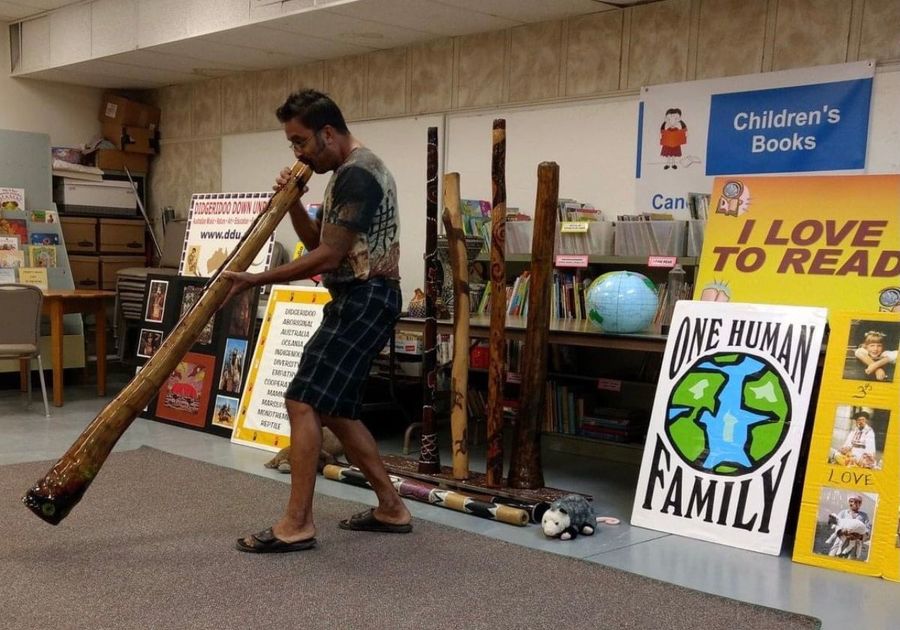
column 672, row 135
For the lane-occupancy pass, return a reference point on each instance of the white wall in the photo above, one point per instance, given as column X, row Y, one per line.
column 594, row 143
column 67, row 113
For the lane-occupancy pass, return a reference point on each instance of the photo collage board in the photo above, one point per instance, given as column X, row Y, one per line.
column 850, row 512
column 204, row 390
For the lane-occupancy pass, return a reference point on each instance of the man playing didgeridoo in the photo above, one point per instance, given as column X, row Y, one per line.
column 354, row 244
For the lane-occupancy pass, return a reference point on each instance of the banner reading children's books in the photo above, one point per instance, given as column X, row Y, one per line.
column 292, row 315
column 216, row 222
column 727, row 422
column 818, row 241
column 849, row 517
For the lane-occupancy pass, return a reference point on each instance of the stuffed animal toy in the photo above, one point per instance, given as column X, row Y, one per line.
column 331, row 450
column 569, row 516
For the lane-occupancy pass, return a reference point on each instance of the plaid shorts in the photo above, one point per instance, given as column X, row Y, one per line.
column 336, row 361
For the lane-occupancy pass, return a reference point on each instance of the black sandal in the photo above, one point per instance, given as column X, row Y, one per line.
column 266, row 542
column 365, row 521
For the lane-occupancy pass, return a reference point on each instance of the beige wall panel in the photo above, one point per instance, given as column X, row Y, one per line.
column 346, row 81
column 594, row 53
column 170, row 179
column 811, row 33
column 175, row 114
column 880, row 30
column 206, row 161
column 731, row 38
column 272, row 89
column 238, row 96
column 481, row 69
column 307, row 76
column 432, row 76
column 534, row 56
column 386, row 83
column 206, row 108
column 659, row 43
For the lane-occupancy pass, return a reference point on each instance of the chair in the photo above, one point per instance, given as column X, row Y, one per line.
column 20, row 329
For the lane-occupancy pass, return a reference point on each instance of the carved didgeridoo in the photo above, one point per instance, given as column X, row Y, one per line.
column 54, row 496
column 429, row 455
column 459, row 377
column 497, row 366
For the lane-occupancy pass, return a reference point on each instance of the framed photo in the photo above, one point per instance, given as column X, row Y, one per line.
column 184, row 397
column 189, row 297
column 225, row 412
column 156, row 302
column 844, row 523
column 872, row 350
column 241, row 317
column 233, row 359
column 858, row 437
column 149, row 342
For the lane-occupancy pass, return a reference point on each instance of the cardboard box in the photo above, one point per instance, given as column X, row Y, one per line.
column 115, row 160
column 85, row 271
column 110, row 266
column 128, row 113
column 122, row 236
column 132, row 139
column 79, row 234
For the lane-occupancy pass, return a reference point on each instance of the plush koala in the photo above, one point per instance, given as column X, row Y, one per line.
column 569, row 516
column 331, row 450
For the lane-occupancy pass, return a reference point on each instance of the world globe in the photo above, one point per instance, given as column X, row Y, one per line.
column 621, row 302
column 728, row 413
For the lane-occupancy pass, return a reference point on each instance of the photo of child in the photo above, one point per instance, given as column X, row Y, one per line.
column 872, row 351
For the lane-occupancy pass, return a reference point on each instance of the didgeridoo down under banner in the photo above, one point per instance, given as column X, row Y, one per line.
column 54, row 496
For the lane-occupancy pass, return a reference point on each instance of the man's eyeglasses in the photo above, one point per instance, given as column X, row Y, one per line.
column 299, row 145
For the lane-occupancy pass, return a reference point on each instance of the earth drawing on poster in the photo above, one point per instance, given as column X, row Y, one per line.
column 728, row 414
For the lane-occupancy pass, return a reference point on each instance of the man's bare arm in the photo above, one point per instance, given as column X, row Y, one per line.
column 306, row 228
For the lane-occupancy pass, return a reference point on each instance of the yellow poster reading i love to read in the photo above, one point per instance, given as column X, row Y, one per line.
column 292, row 315
column 850, row 514
column 830, row 241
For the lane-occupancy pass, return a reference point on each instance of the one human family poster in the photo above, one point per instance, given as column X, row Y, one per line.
column 727, row 422
column 850, row 511
column 293, row 313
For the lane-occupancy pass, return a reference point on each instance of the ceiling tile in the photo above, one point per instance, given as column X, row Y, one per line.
column 345, row 28
column 294, row 44
column 232, row 54
column 523, row 11
column 435, row 18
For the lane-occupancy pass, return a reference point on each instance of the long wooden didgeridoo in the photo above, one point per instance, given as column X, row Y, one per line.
column 459, row 377
column 429, row 455
column 54, row 496
column 497, row 341
column 525, row 465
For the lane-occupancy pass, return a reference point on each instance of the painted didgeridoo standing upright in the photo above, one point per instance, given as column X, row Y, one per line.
column 497, row 341
column 525, row 466
column 459, row 376
column 54, row 496
column 429, row 456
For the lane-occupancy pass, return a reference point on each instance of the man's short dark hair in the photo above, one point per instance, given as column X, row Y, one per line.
column 862, row 414
column 314, row 109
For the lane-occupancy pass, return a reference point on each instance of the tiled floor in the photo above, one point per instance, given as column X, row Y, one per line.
column 839, row 599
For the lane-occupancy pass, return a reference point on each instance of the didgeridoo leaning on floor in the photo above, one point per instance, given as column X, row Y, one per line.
column 54, row 496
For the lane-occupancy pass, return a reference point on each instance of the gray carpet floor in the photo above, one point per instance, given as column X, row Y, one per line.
column 151, row 546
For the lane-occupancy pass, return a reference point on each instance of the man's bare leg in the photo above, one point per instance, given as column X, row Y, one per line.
column 306, row 443
column 362, row 450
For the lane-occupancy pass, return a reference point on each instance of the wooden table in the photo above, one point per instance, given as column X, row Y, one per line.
column 59, row 302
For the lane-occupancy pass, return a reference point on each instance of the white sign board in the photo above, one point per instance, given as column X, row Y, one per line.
column 727, row 422
column 293, row 314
